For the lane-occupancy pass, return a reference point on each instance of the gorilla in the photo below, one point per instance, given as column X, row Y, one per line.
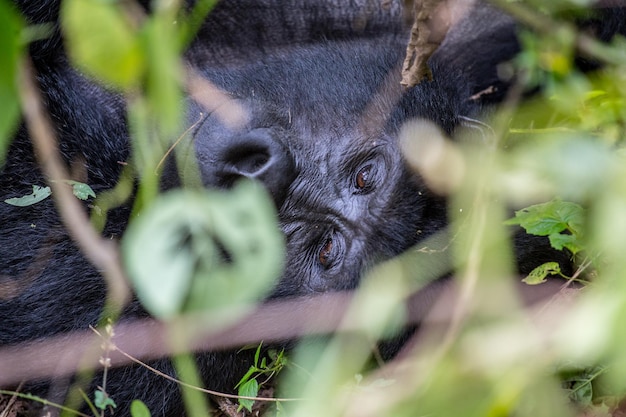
column 320, row 80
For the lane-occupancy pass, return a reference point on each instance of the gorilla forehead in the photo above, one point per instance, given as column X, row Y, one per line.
column 322, row 88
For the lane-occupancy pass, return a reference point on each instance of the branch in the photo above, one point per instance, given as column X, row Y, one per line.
column 273, row 322
column 103, row 254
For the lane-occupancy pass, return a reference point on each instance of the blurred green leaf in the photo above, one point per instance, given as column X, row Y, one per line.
column 580, row 384
column 539, row 274
column 102, row 400
column 164, row 74
column 545, row 61
column 39, row 194
column 139, row 409
column 202, row 250
column 194, row 19
column 11, row 26
column 103, row 42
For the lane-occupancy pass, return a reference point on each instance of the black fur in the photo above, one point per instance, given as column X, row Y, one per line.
column 320, row 80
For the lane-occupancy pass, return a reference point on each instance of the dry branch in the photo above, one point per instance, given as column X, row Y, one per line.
column 276, row 321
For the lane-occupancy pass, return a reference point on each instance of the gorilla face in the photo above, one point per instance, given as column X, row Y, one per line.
column 321, row 133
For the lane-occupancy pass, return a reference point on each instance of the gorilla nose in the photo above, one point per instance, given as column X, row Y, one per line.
column 256, row 155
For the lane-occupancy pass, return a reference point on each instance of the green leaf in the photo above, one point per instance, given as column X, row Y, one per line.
column 582, row 392
column 81, row 190
column 11, row 26
column 102, row 400
column 38, row 194
column 580, row 385
column 279, row 358
column 539, row 274
column 560, row 241
column 551, row 219
column 205, row 249
column 547, row 218
column 102, row 41
column 248, row 389
column 139, row 409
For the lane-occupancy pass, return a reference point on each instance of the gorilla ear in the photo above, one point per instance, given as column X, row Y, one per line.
column 475, row 46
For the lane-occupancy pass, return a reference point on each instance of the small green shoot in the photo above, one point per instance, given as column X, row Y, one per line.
column 103, row 401
column 248, row 386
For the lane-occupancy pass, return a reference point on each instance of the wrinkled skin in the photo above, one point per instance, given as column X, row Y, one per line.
column 324, row 104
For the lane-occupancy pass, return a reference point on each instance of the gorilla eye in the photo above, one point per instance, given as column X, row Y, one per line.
column 362, row 177
column 326, row 252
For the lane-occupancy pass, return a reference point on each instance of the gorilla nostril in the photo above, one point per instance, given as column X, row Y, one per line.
column 248, row 162
column 259, row 154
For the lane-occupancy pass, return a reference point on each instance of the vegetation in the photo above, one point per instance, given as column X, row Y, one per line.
column 557, row 157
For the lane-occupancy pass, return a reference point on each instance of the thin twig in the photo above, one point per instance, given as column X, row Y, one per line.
column 102, row 253
column 424, row 41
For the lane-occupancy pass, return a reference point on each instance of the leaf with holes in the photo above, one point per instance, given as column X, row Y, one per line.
column 539, row 274
column 39, row 194
column 202, row 250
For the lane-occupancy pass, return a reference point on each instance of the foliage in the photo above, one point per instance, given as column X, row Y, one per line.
column 103, row 401
column 194, row 251
column 139, row 409
column 81, row 190
column 94, row 26
column 560, row 155
column 249, row 385
column 39, row 193
column 561, row 221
